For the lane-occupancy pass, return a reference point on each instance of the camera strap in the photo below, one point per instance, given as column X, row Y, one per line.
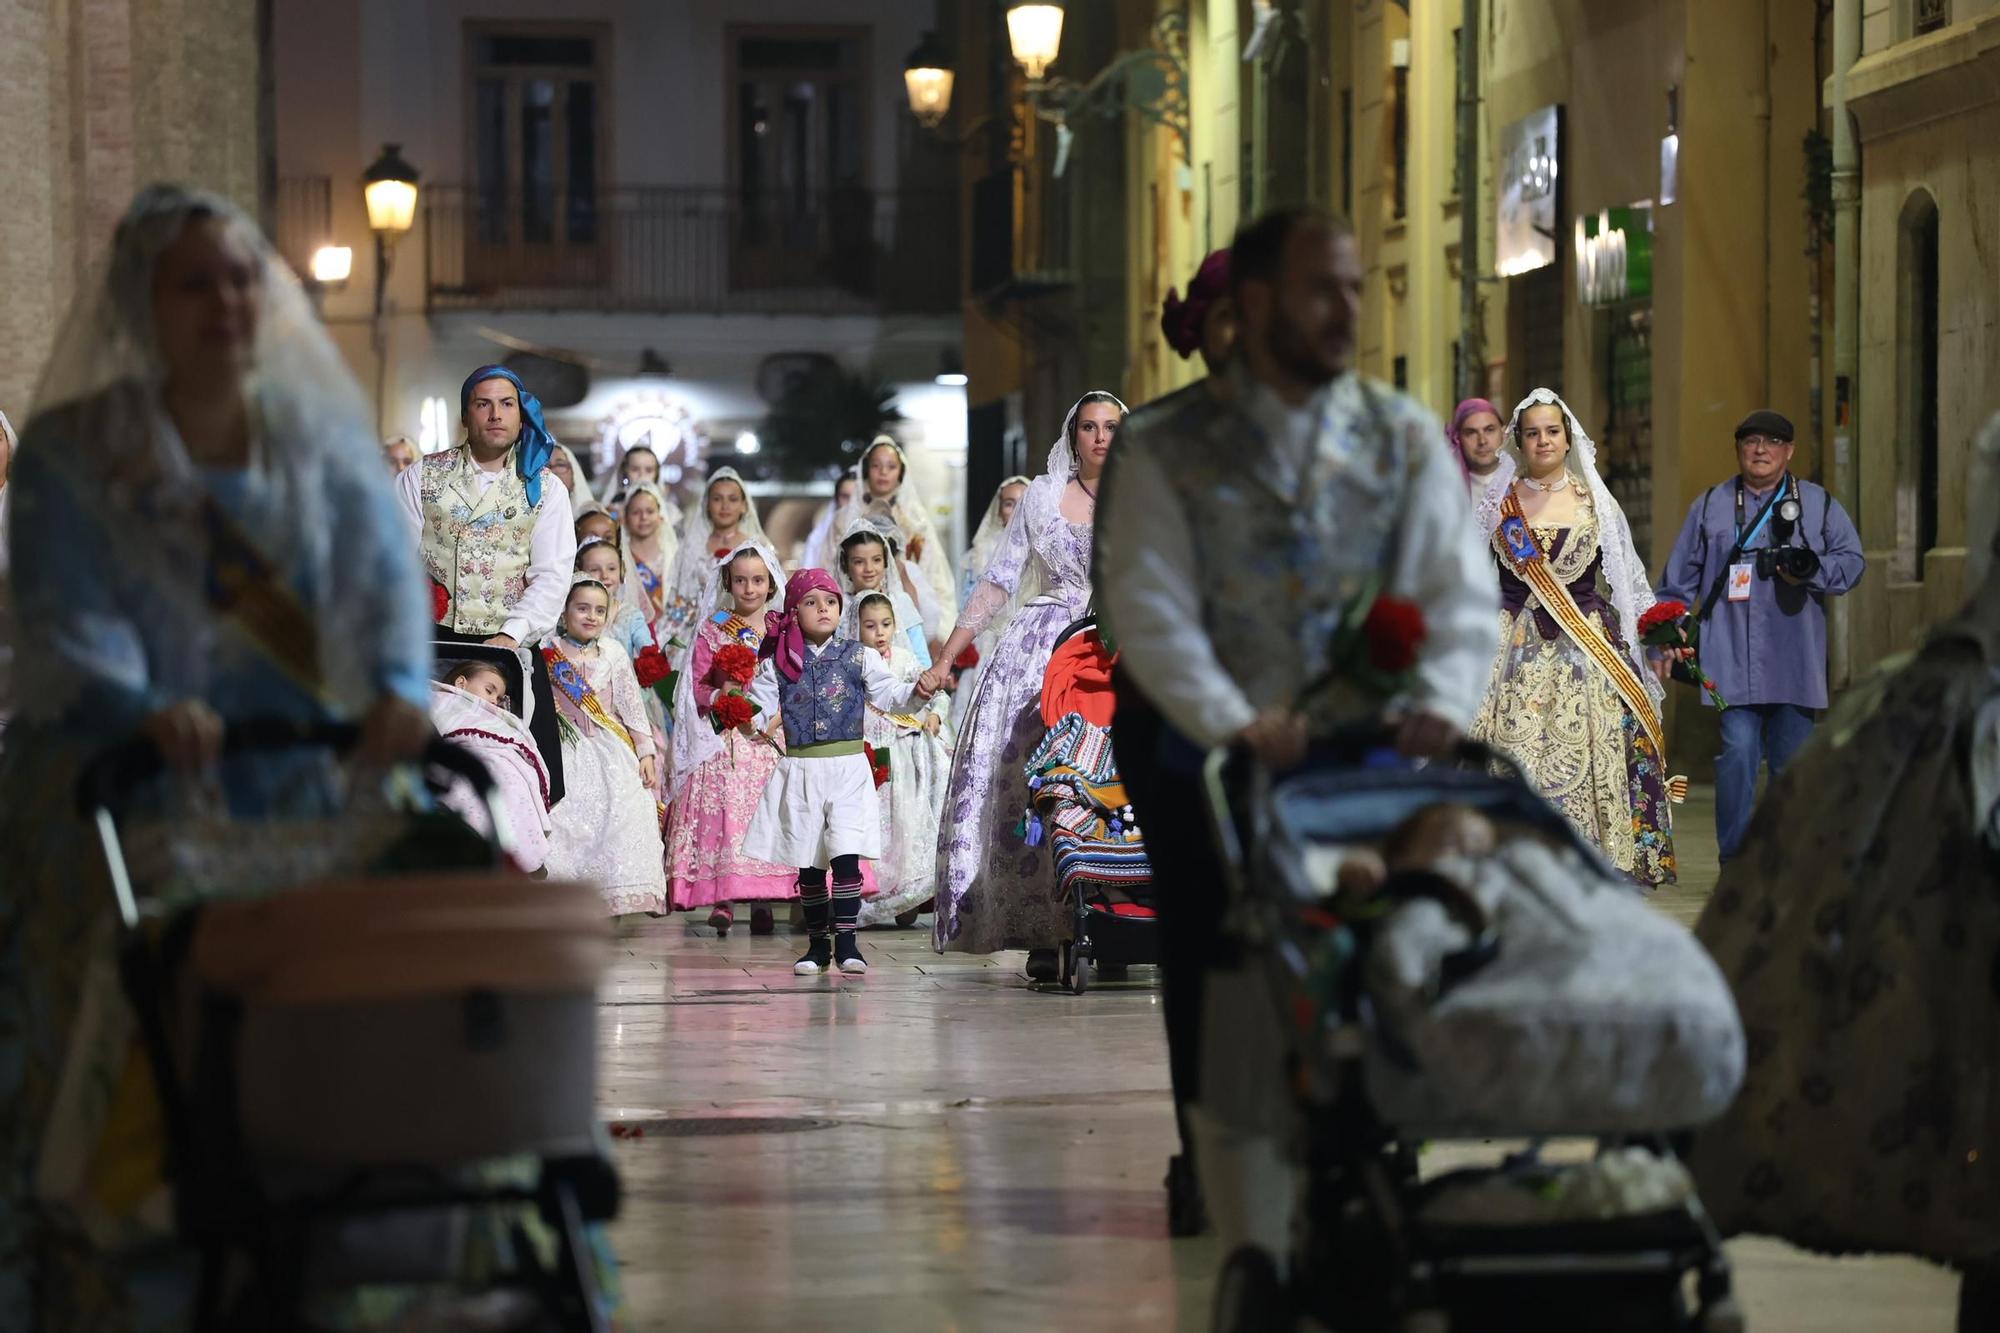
column 1736, row 552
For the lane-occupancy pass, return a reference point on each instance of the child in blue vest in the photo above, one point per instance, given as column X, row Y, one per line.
column 819, row 811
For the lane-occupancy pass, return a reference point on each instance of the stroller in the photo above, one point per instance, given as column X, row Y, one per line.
column 340, row 1065
column 1361, row 1086
column 1078, row 802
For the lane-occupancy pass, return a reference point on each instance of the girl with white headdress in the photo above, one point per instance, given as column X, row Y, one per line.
column 562, row 462
column 650, row 552
column 870, row 560
column 201, row 531
column 886, row 487
column 607, row 827
column 1571, row 696
column 913, row 745
column 720, row 519
column 1860, row 930
column 985, row 541
column 994, row 891
column 718, row 776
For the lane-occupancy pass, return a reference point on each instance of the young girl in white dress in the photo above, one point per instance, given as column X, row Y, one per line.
column 715, row 523
column 869, row 563
column 650, row 551
column 470, row 709
column 607, row 826
column 919, row 759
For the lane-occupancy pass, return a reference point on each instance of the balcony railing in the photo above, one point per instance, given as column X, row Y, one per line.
column 711, row 251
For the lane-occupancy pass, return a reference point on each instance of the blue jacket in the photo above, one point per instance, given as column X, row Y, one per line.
column 1770, row 649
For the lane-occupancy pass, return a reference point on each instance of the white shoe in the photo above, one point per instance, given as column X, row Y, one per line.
column 805, row 967
column 853, row 965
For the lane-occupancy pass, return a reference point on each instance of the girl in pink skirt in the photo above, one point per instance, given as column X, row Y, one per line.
column 718, row 776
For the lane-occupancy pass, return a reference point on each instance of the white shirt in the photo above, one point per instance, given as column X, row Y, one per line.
column 551, row 553
column 885, row 689
column 1439, row 562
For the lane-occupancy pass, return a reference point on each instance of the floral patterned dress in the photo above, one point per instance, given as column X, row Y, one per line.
column 1557, row 713
column 1860, row 931
column 994, row 891
column 607, row 828
column 705, row 861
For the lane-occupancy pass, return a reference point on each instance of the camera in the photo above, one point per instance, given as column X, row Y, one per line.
column 1796, row 562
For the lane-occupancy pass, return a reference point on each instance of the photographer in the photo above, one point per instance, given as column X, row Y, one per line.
column 1755, row 562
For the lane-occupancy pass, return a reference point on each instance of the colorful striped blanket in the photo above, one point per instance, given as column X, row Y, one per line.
column 1079, row 801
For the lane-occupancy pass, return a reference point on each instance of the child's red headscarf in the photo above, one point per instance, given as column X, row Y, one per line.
column 784, row 642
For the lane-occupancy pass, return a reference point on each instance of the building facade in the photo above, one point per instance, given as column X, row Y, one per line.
column 99, row 98
column 662, row 214
column 1631, row 201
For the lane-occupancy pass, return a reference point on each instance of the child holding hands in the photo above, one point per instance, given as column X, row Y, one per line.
column 818, row 811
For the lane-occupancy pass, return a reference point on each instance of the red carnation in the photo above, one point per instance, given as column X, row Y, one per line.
column 730, row 711
column 1394, row 628
column 440, row 603
column 1661, row 613
column 721, row 551
column 736, row 662
column 967, row 659
column 650, row 666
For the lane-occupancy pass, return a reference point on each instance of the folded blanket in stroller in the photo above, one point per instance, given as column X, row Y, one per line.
column 1078, row 798
column 1598, row 1014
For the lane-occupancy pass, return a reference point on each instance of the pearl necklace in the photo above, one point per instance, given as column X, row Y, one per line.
column 1558, row 484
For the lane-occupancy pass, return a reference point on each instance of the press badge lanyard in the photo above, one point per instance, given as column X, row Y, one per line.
column 1736, row 583
column 1763, row 516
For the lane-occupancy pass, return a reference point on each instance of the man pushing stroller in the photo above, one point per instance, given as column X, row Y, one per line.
column 1246, row 532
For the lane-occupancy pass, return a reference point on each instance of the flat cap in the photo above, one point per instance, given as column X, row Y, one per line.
column 1766, row 422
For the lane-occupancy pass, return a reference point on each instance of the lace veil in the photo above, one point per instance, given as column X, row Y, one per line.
column 100, row 426
column 905, row 508
column 694, row 562
column 1624, row 572
column 695, row 741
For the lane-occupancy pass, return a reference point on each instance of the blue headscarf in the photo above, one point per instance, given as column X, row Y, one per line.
column 536, row 444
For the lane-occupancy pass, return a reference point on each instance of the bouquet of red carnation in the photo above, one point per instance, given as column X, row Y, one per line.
column 650, row 666
column 440, row 603
column 1375, row 647
column 878, row 764
column 729, row 711
column 967, row 659
column 734, row 662
column 1666, row 625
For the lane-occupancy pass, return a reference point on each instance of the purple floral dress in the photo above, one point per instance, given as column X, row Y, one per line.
column 993, row 890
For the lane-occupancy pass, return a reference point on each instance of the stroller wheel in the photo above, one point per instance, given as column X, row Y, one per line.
column 1187, row 1215
column 1250, row 1297
column 1076, row 969
column 1723, row 1315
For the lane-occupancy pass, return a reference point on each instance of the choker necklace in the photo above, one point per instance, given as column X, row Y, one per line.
column 1084, row 486
column 1559, row 483
column 577, row 643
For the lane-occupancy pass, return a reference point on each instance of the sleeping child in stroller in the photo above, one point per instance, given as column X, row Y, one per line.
column 470, row 708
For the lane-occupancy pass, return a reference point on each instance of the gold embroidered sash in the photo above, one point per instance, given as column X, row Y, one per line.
column 1526, row 558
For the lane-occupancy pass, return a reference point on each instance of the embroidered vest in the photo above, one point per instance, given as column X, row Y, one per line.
column 829, row 700
column 479, row 546
column 1278, row 569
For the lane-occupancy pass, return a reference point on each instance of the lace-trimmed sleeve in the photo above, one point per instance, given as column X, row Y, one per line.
column 1001, row 578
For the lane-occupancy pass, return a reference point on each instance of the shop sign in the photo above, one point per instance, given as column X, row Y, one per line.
column 1530, row 149
column 1614, row 256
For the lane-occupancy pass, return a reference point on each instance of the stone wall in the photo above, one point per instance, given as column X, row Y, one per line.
column 99, row 97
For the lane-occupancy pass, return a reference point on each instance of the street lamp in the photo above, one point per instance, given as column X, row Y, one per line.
column 389, row 187
column 927, row 77
column 1034, row 32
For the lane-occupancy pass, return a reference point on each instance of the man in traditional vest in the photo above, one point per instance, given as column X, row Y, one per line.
column 1241, row 524
column 497, row 535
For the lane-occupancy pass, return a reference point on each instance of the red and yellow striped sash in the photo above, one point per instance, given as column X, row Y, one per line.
column 1525, row 557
